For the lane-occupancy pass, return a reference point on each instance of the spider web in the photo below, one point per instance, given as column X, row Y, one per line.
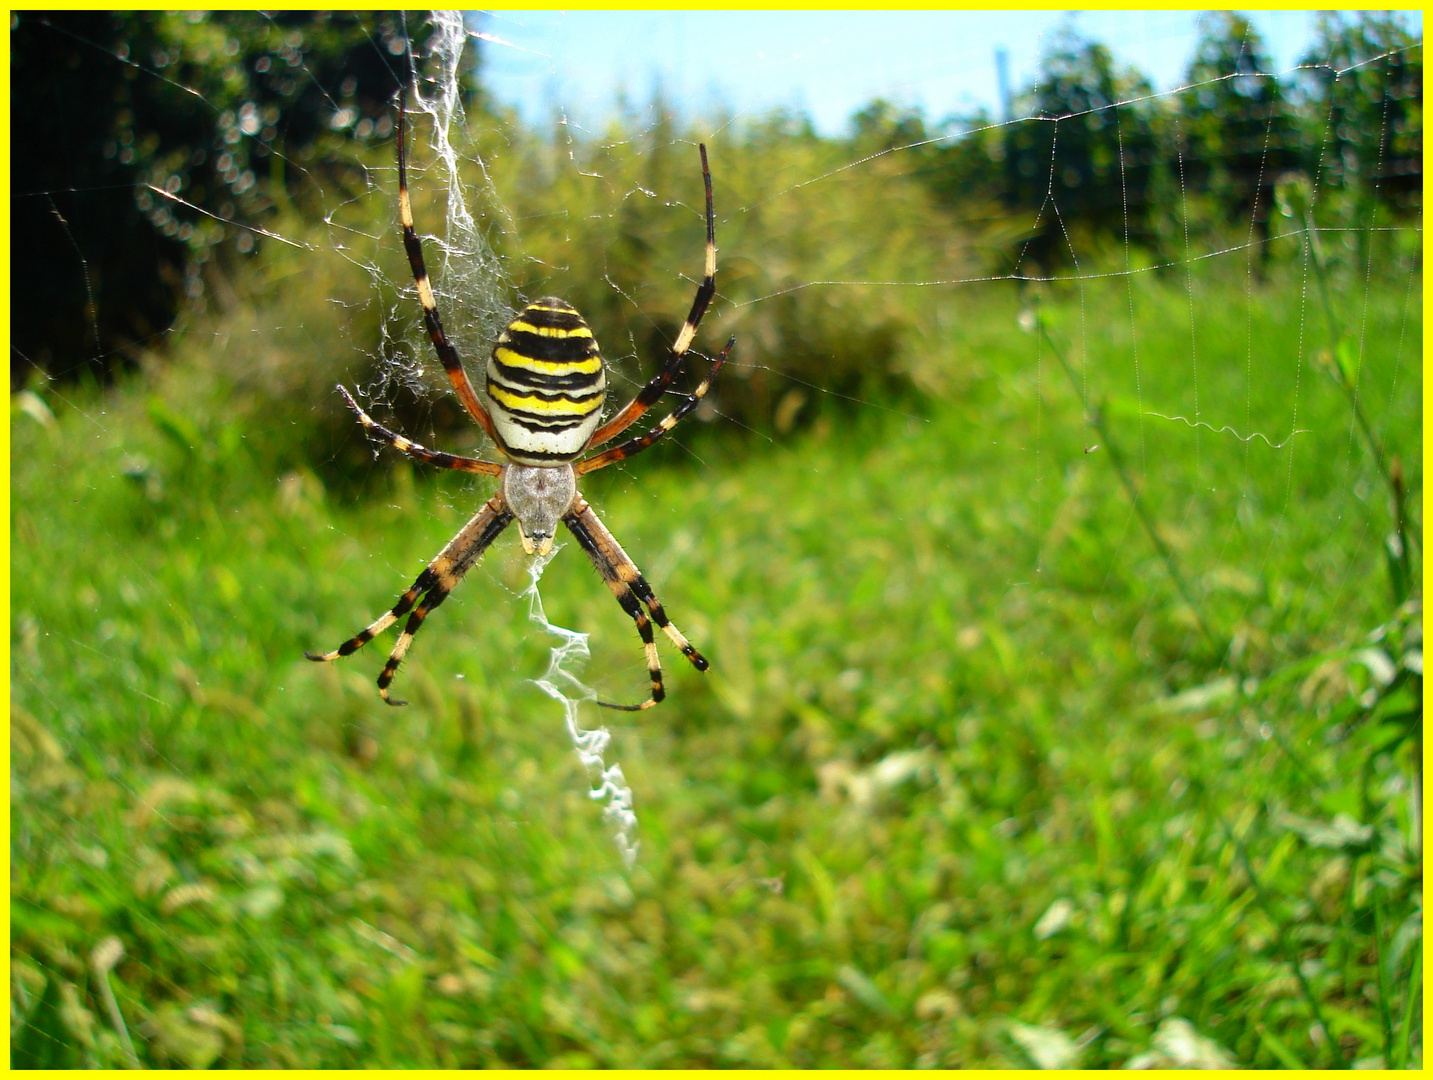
column 465, row 203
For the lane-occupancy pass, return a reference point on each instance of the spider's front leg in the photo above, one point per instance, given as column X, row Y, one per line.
column 650, row 394
column 629, row 587
column 413, row 245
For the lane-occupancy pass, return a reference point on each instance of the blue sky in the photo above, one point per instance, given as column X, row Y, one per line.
column 826, row 63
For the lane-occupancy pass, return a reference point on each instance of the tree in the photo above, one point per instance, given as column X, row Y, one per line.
column 1366, row 112
column 883, row 125
column 1234, row 130
column 1082, row 166
column 146, row 142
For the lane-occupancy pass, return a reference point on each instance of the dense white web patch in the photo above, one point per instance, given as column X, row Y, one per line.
column 560, row 682
column 476, row 298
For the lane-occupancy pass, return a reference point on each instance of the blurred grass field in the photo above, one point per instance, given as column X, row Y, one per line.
column 969, row 783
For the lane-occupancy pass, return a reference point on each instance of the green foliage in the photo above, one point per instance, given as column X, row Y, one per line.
column 1091, row 173
column 1235, row 129
column 187, row 133
column 966, row 785
column 1367, row 75
column 1098, row 165
column 250, row 393
column 804, row 282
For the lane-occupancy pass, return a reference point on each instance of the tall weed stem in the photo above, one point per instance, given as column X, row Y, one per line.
column 1095, row 417
column 1400, row 564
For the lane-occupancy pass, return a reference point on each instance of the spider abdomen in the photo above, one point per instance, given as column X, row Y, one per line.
column 546, row 384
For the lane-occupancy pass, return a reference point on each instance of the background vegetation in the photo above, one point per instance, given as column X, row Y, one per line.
column 1043, row 729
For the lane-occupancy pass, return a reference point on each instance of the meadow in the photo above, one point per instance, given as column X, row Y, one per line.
column 1045, row 726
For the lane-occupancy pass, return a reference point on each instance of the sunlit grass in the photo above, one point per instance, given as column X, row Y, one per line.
column 964, row 758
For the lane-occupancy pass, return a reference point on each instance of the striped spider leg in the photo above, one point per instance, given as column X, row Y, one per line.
column 629, row 587
column 650, row 394
column 447, row 355
column 622, row 451
column 438, row 579
column 406, row 446
column 616, row 567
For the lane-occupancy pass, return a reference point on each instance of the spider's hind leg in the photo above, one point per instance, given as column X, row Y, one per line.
column 426, row 581
column 632, row 592
column 438, row 579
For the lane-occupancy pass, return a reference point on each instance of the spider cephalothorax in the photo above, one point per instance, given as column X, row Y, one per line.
column 539, row 498
column 542, row 407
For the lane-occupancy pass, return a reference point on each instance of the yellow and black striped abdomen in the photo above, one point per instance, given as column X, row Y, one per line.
column 546, row 384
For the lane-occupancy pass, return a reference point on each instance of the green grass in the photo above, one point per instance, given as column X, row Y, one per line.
column 964, row 758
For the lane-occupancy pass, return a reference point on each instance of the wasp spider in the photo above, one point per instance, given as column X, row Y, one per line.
column 541, row 406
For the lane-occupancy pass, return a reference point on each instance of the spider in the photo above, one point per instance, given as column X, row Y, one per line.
column 541, row 406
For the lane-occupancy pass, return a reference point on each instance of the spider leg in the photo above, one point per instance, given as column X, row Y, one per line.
column 421, row 453
column 632, row 592
column 637, row 445
column 447, row 355
column 438, row 579
column 650, row 394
